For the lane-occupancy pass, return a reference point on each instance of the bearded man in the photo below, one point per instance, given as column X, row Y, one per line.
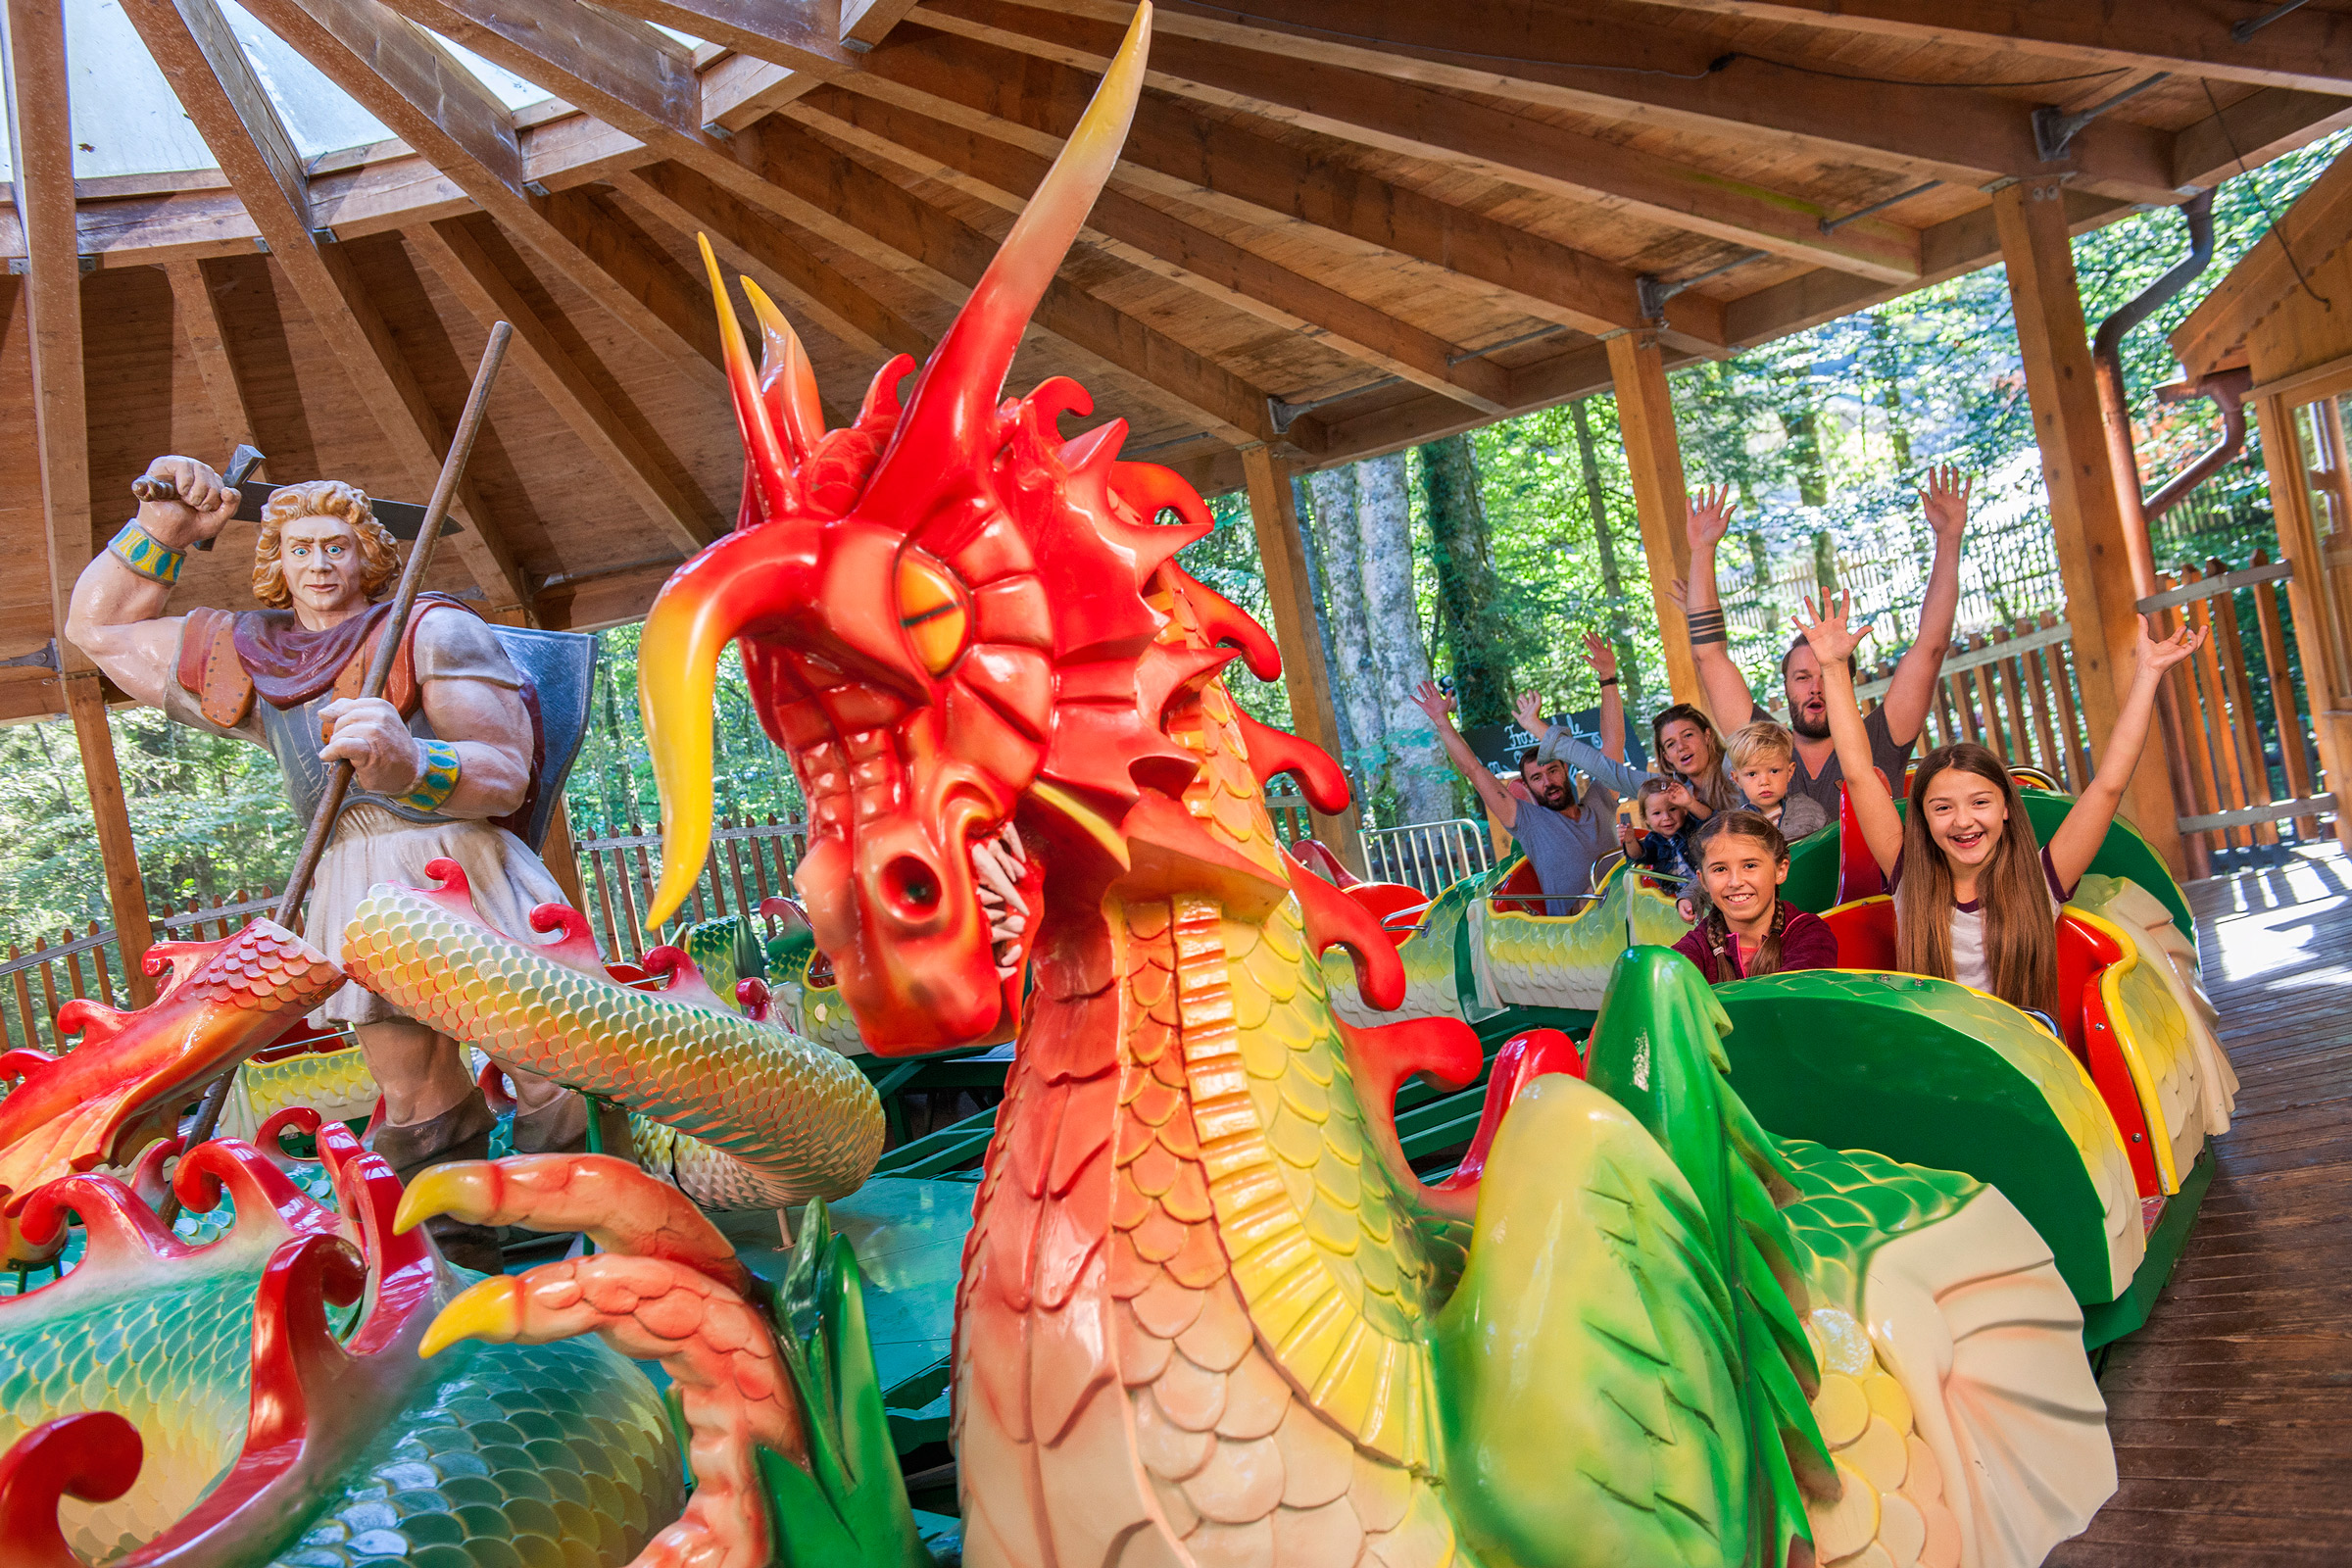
column 1894, row 724
column 443, row 764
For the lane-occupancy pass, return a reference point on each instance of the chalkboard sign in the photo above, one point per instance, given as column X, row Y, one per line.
column 1498, row 745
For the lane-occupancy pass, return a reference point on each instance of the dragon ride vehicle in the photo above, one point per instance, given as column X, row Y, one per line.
column 2096, row 1131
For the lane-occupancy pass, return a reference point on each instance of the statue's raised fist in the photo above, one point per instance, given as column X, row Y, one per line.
column 182, row 501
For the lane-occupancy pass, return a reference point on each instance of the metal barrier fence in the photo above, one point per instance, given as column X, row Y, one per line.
column 1429, row 855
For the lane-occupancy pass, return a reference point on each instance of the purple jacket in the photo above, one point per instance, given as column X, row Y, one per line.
column 1806, row 943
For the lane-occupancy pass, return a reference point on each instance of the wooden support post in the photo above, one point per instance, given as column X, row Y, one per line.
column 1305, row 673
column 2094, row 559
column 125, row 894
column 562, row 857
column 2327, row 658
column 1654, row 453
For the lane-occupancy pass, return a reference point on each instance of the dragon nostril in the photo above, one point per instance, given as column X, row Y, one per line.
column 912, row 885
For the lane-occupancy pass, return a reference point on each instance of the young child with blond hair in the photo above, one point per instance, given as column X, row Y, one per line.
column 1762, row 761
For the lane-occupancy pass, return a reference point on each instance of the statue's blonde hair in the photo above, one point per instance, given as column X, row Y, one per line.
column 379, row 552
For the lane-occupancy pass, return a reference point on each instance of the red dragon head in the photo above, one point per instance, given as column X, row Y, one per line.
column 958, row 623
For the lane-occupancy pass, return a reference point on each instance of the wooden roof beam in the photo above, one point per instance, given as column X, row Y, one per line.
column 596, row 59
column 797, row 34
column 1404, row 116
column 2252, row 131
column 339, row 306
column 1035, row 103
column 810, row 184
column 198, row 314
column 762, row 245
column 1164, row 243
column 1664, row 76
column 402, row 75
column 2309, row 49
column 455, row 251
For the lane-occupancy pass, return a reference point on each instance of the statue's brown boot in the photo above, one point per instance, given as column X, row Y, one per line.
column 559, row 1127
column 462, row 1132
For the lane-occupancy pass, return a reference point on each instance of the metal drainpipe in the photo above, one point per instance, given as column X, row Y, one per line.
column 2115, row 411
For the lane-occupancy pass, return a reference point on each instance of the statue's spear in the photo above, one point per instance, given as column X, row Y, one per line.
column 379, row 674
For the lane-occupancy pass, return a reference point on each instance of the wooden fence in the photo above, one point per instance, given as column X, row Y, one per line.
column 89, row 963
column 750, row 861
column 2237, row 740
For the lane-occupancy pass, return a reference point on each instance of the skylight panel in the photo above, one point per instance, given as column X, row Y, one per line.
column 319, row 116
column 125, row 118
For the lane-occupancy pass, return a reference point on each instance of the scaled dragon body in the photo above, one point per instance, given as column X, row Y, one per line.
column 1208, row 1314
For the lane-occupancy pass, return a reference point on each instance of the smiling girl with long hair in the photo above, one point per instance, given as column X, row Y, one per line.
column 1976, row 898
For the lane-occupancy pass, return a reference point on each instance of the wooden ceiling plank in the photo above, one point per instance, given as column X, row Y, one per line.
column 869, row 21
column 1035, row 103
column 1664, row 76
column 41, row 146
column 199, row 313
column 582, row 53
column 453, row 250
column 339, row 305
column 634, row 275
column 810, row 184
column 2309, row 49
column 1143, row 235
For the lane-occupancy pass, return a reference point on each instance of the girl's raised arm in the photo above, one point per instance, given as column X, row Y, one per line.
column 1833, row 642
column 2077, row 842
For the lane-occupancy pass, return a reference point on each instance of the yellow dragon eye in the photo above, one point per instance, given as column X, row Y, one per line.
column 934, row 610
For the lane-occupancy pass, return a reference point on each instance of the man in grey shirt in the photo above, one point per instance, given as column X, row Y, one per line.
column 1562, row 832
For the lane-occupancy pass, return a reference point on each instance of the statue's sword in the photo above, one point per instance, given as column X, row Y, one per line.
column 380, row 672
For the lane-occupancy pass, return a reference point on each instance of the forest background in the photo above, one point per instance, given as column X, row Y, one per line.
column 1483, row 558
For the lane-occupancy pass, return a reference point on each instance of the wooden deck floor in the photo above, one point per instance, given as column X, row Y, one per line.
column 2231, row 1411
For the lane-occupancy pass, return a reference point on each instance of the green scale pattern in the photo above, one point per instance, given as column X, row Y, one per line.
column 1850, row 1203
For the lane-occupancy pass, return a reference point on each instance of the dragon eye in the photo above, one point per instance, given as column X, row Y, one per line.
column 935, row 610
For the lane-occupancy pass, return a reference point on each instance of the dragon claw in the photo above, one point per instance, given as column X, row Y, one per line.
column 465, row 1188
column 490, row 1309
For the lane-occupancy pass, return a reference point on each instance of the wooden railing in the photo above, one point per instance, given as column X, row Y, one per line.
column 2013, row 689
column 750, row 861
column 89, row 963
column 2240, row 781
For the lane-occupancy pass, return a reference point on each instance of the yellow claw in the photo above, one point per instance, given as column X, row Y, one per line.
column 491, row 1309
column 452, row 1189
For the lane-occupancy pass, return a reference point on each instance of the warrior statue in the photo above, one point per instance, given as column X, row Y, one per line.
column 450, row 763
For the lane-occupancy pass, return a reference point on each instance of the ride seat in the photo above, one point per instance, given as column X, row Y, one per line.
column 1519, row 892
column 1865, row 933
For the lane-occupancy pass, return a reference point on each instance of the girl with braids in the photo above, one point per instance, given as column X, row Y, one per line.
column 1976, row 898
column 1745, row 928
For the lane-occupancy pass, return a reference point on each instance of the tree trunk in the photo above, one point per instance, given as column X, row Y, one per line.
column 1463, row 556
column 1417, row 770
column 1318, row 580
column 1354, row 674
column 1604, row 544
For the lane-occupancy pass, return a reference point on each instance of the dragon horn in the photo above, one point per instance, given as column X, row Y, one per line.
column 771, row 470
column 784, row 367
column 958, row 387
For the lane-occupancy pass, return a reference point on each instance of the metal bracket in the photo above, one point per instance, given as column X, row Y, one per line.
column 2054, row 129
column 44, row 658
column 1652, row 292
column 1281, row 415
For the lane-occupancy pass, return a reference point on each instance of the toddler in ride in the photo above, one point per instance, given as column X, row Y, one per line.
column 1745, row 928
column 1663, row 843
column 1975, row 897
column 1762, row 758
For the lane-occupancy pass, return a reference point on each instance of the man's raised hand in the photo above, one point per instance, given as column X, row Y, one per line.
column 1435, row 701
column 204, row 504
column 1825, row 628
column 1710, row 517
column 1945, row 501
column 1601, row 657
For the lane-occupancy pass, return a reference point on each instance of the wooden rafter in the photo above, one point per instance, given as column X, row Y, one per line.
column 339, row 305
column 199, row 317
column 757, row 243
column 1171, row 150
column 462, row 257
column 1667, row 75
column 2306, row 47
column 1161, row 242
column 831, row 194
column 1404, row 116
